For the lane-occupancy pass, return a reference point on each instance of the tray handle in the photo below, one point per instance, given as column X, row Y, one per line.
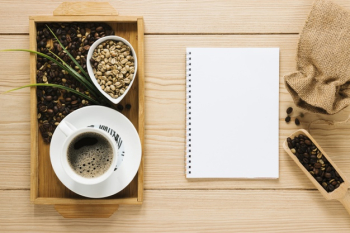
column 84, row 8
column 86, row 211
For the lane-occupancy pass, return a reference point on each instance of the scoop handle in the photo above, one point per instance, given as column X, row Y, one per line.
column 346, row 201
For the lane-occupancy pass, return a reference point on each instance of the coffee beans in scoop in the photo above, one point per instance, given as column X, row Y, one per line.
column 315, row 162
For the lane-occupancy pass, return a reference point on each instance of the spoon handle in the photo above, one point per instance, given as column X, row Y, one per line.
column 346, row 201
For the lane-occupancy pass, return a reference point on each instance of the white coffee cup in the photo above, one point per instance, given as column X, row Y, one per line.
column 71, row 133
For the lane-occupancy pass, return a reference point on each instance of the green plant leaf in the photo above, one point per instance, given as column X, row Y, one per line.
column 89, row 86
column 99, row 96
column 75, row 62
column 38, row 53
column 92, row 89
column 58, row 86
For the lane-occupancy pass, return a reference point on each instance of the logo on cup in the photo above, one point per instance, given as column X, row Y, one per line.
column 117, row 139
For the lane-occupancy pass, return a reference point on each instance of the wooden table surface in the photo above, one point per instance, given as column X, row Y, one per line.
column 171, row 202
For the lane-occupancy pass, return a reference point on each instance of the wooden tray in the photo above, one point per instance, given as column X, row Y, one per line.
column 45, row 186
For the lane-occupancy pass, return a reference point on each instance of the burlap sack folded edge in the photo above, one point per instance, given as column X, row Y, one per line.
column 298, row 100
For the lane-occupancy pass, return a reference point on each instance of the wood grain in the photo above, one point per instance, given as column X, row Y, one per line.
column 86, row 211
column 189, row 211
column 164, row 115
column 141, row 99
column 172, row 203
column 34, row 150
column 85, row 8
column 44, row 182
column 198, row 16
column 341, row 193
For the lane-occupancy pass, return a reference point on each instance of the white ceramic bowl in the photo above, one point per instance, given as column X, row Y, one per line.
column 91, row 73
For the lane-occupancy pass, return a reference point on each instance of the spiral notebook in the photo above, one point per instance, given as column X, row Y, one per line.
column 232, row 116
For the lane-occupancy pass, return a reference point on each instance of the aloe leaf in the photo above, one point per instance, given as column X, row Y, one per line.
column 75, row 62
column 92, row 89
column 76, row 75
column 58, row 86
column 38, row 53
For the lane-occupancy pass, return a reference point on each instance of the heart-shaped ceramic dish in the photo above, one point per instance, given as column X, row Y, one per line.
column 90, row 68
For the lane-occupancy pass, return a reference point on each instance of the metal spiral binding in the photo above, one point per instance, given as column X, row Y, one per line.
column 188, row 111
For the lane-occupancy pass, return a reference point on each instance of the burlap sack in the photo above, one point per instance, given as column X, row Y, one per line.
column 322, row 80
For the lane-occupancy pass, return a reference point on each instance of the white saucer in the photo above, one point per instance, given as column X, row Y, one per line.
column 129, row 151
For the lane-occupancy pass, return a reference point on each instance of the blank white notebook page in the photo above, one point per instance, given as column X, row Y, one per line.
column 232, row 113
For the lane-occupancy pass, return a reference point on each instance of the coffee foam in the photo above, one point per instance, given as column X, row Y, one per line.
column 90, row 161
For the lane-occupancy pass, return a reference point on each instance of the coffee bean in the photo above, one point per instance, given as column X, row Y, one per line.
column 289, row 110
column 99, row 29
column 50, row 101
column 313, row 160
column 120, row 107
column 287, row 119
column 43, row 108
column 328, row 175
column 297, row 122
column 308, row 142
column 48, row 98
column 330, row 187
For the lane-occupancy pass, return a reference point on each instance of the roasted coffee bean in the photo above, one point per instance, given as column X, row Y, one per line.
column 99, row 29
column 41, row 44
column 48, row 98
column 120, row 107
column 77, row 37
column 328, row 175
column 330, row 187
column 308, row 142
column 313, row 161
column 287, row 119
column 289, row 110
column 43, row 108
column 297, row 122
column 55, row 109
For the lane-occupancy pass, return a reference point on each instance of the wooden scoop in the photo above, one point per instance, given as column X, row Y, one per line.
column 341, row 193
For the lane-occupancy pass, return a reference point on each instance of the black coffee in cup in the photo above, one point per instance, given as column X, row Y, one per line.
column 90, row 155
